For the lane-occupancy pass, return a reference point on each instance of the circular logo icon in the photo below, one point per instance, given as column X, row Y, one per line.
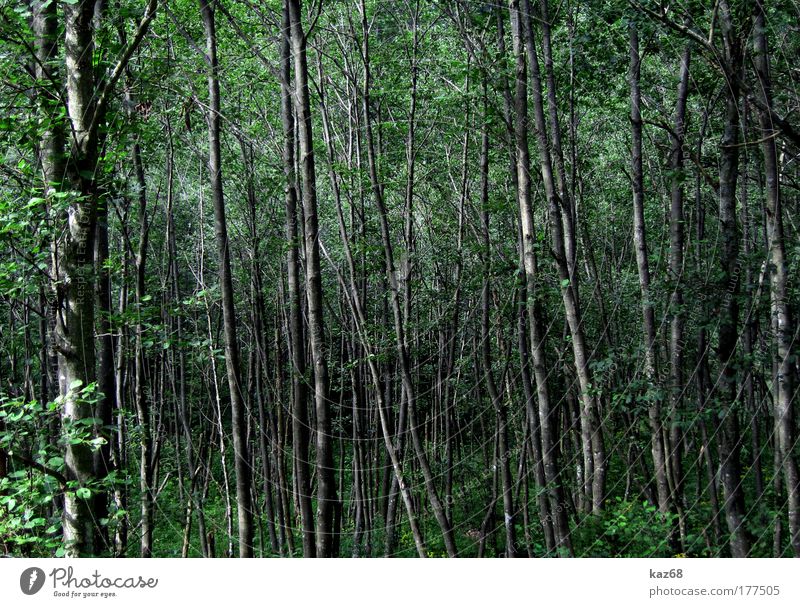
column 31, row 580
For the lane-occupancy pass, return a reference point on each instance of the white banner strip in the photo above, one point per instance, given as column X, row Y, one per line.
column 399, row 582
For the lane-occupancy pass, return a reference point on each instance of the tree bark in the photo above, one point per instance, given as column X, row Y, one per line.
column 676, row 270
column 781, row 321
column 591, row 428
column 643, row 266
column 300, row 424
column 140, row 367
column 730, row 440
column 326, row 479
column 238, row 426
column 522, row 174
column 486, row 349
column 75, row 273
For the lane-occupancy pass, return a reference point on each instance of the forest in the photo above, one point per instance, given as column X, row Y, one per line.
column 399, row 278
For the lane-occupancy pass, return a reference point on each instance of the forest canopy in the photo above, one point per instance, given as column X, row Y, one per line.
column 411, row 278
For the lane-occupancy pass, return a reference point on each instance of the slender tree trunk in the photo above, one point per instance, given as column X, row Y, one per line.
column 730, row 440
column 326, row 479
column 238, row 426
column 105, row 405
column 300, row 427
column 643, row 266
column 400, row 337
column 568, row 207
column 259, row 363
column 781, row 320
column 140, row 367
column 591, row 429
column 486, row 350
column 522, row 174
column 676, row 269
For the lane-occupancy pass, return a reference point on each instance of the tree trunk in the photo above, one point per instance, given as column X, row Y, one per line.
column 300, row 433
column 238, row 426
column 676, row 269
column 591, row 429
column 140, row 367
column 730, row 440
column 643, row 265
column 74, row 265
column 486, row 349
column 326, row 479
column 781, row 320
column 524, row 199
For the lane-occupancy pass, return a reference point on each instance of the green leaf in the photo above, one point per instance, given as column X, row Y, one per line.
column 98, row 442
column 75, row 384
column 83, row 493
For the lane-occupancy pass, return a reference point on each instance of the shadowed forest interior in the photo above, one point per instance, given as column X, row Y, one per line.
column 410, row 278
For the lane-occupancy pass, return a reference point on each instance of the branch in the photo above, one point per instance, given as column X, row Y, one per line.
column 786, row 128
column 663, row 126
column 743, row 144
column 32, row 52
column 681, row 29
column 189, row 40
column 710, row 181
column 119, row 69
column 36, row 466
column 249, row 41
column 314, row 20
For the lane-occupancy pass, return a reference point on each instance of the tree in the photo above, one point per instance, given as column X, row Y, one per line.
column 431, row 348
column 326, row 492
column 238, row 426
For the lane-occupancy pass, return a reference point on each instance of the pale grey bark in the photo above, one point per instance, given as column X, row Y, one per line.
column 782, row 323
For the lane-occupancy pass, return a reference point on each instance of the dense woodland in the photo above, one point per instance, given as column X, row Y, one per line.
column 399, row 278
